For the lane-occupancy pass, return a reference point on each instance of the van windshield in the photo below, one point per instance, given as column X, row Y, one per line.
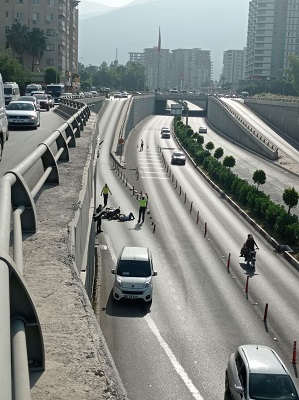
column 136, row 268
column 7, row 90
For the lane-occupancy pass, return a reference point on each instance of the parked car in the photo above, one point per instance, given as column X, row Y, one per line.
column 43, row 100
column 178, row 157
column 124, row 95
column 133, row 275
column 165, row 133
column 117, row 95
column 22, row 113
column 50, row 100
column 32, row 99
column 256, row 372
column 202, row 129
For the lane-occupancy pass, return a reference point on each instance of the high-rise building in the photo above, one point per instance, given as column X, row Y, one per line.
column 233, row 66
column 156, row 65
column 58, row 19
column 181, row 68
column 191, row 69
column 273, row 34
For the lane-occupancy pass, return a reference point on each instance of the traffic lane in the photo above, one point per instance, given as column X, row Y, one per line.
column 216, row 213
column 22, row 141
column 168, row 235
column 263, row 128
column 277, row 178
column 195, row 315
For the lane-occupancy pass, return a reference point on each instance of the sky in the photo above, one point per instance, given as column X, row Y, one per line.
column 113, row 3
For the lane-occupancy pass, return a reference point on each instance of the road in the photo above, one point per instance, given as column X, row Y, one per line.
column 277, row 178
column 22, row 141
column 178, row 349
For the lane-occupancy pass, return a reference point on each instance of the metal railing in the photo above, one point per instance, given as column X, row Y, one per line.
column 21, row 341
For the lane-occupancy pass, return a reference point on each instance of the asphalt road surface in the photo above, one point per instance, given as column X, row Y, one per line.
column 178, row 348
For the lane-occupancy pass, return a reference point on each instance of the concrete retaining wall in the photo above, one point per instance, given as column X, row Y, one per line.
column 282, row 115
column 238, row 130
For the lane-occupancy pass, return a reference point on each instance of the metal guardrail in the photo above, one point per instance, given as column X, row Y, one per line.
column 21, row 341
column 249, row 127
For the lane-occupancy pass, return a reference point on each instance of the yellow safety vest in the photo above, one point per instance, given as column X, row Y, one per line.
column 105, row 190
column 143, row 203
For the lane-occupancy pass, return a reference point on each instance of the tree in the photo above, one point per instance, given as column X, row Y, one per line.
column 37, row 43
column 52, row 75
column 290, row 198
column 12, row 70
column 293, row 71
column 229, row 162
column 210, row 146
column 218, row 153
column 17, row 39
column 259, row 177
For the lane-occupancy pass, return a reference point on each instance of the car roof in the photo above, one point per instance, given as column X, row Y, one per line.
column 262, row 359
column 135, row 253
column 178, row 152
column 27, row 97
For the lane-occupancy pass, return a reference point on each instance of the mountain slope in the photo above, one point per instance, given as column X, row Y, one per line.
column 214, row 25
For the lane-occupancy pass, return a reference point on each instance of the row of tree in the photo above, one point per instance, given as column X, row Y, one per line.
column 258, row 204
column 115, row 76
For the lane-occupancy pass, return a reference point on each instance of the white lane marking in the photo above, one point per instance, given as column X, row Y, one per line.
column 152, row 168
column 152, row 172
column 172, row 358
column 147, row 163
column 151, row 177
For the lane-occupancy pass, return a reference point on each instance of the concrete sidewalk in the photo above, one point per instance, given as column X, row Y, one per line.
column 78, row 363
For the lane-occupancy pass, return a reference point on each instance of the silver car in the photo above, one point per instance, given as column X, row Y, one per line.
column 256, row 372
column 33, row 100
column 22, row 113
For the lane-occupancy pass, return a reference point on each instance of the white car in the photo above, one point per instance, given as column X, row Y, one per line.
column 133, row 275
column 22, row 113
column 165, row 133
column 202, row 129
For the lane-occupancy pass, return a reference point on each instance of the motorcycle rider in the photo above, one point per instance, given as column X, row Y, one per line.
column 250, row 245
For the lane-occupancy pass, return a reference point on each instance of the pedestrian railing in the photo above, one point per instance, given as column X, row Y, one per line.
column 22, row 349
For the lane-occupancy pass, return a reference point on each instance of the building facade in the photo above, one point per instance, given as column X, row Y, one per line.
column 183, row 69
column 273, row 34
column 233, row 66
column 58, row 19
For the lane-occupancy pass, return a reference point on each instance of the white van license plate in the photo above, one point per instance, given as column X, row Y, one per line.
column 127, row 296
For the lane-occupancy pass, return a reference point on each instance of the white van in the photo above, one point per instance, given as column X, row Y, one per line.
column 33, row 87
column 11, row 91
column 3, row 119
column 133, row 275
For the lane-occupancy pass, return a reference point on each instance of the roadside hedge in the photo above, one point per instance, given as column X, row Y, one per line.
column 256, row 202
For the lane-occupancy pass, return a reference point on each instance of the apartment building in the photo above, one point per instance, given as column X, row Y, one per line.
column 58, row 19
column 273, row 34
column 182, row 68
column 156, row 65
column 233, row 66
column 191, row 69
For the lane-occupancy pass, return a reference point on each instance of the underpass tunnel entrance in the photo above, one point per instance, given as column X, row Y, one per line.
column 200, row 108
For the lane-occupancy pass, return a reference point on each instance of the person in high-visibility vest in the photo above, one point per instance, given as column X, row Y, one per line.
column 105, row 191
column 142, row 208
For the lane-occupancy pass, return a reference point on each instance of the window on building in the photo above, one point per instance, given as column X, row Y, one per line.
column 35, row 16
column 6, row 1
column 49, row 17
column 19, row 15
column 6, row 29
column 50, row 47
column 19, row 1
column 6, row 14
column 50, row 32
column 50, row 3
column 49, row 61
column 35, row 2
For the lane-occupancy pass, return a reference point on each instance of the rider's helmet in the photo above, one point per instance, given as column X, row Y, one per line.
column 249, row 236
